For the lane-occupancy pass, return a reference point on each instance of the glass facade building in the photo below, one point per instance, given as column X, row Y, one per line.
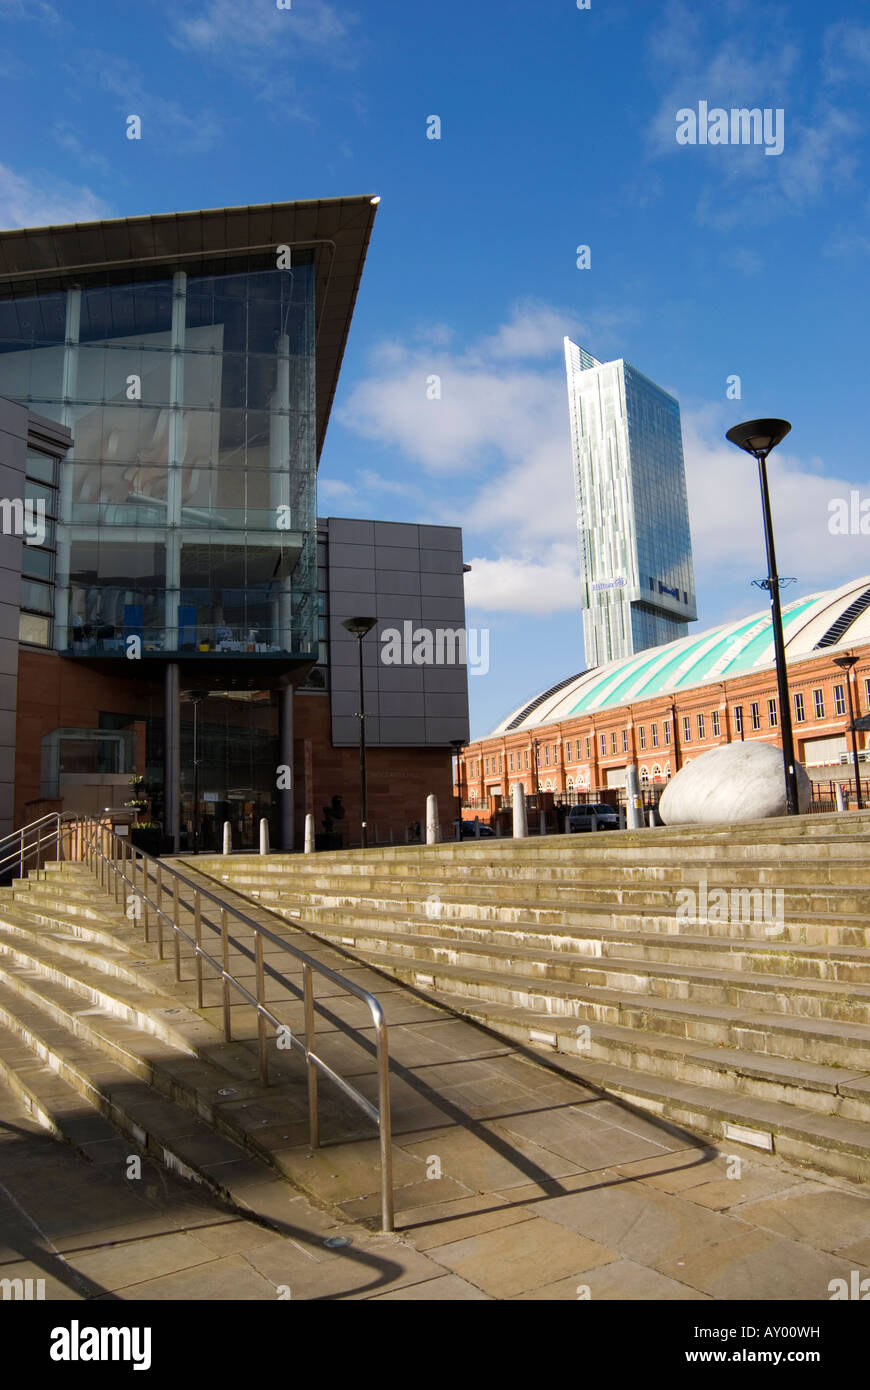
column 184, row 515
column 636, row 571
column 188, row 362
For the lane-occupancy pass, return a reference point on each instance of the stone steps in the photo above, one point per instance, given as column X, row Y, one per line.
column 829, row 1142
column 574, row 945
column 599, row 918
column 737, row 985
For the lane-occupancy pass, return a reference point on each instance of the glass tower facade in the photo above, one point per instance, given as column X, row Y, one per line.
column 183, row 519
column 636, row 571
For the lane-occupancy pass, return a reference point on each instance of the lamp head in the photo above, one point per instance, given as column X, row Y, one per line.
column 758, row 436
column 359, row 626
column 845, row 663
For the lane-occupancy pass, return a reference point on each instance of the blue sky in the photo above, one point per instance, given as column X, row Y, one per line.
column 558, row 129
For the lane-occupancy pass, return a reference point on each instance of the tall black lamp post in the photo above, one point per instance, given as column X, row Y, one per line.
column 457, row 744
column 359, row 627
column 196, row 698
column 846, row 663
column 759, row 438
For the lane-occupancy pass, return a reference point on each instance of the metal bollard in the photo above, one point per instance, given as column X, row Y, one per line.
column 432, row 827
column 264, row 836
column 228, row 837
column 309, row 833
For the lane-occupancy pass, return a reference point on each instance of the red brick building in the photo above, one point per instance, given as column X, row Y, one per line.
column 663, row 707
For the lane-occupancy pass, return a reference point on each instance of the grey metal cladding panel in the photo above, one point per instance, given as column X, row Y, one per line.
column 404, row 706
column 10, row 561
column 9, row 691
column 7, row 765
column 449, row 585
column 11, row 477
column 445, row 612
column 442, row 706
column 345, row 531
column 397, row 557
column 441, row 538
column 9, row 613
column 352, row 581
column 441, row 561
column 400, row 582
column 345, row 731
column 403, row 730
column 345, row 703
column 9, row 654
column 399, row 680
column 446, row 680
column 399, row 607
column 441, row 731
column 397, row 533
column 351, row 556
column 13, row 418
column 345, row 604
column 7, row 728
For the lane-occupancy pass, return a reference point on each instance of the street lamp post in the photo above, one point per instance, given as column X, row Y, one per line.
column 359, row 627
column 457, row 744
column 196, row 698
column 759, row 438
column 846, row 664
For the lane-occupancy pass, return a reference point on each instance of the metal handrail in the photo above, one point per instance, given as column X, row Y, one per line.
column 22, row 852
column 102, row 864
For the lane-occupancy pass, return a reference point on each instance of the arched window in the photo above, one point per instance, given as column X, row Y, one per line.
column 644, row 776
column 569, row 785
column 656, row 773
column 548, row 785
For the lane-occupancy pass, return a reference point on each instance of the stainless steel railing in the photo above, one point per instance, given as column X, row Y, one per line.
column 128, row 873
column 32, row 840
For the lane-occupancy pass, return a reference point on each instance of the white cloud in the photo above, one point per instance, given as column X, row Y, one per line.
column 524, row 584
column 741, row 184
column 42, row 200
column 725, row 510
column 164, row 120
column 228, row 25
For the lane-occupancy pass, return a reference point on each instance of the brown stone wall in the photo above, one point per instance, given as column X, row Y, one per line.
column 398, row 779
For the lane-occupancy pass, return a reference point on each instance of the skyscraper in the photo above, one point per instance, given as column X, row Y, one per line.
column 636, row 572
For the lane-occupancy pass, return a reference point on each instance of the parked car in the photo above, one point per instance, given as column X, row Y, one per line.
column 467, row 830
column 594, row 816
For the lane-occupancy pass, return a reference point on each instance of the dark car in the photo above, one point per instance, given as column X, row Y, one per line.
column 469, row 832
column 594, row 816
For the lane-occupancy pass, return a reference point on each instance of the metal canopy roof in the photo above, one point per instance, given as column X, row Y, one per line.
column 733, row 649
column 34, row 260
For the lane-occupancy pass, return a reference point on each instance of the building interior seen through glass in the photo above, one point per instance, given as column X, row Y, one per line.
column 185, row 509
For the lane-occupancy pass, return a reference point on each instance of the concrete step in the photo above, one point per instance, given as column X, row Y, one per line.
column 779, row 958
column 600, row 918
column 797, row 899
column 829, row 1142
column 738, row 986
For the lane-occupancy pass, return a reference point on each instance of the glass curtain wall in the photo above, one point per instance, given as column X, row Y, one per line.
column 186, row 505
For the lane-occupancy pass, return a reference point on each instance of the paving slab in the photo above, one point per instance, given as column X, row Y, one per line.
column 516, row 1259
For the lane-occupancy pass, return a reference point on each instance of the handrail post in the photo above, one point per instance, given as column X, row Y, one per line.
column 124, row 877
column 225, row 941
column 197, row 936
column 38, row 848
column 176, row 933
column 159, row 910
column 145, row 895
column 313, row 1114
column 385, row 1130
column 261, row 1017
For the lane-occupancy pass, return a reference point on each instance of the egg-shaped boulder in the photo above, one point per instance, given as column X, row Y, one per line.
column 738, row 782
